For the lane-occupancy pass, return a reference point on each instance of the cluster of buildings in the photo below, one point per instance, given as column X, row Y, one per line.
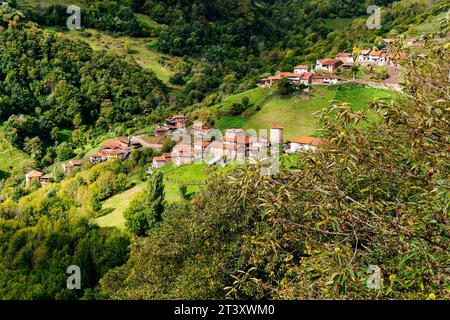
column 110, row 150
column 173, row 124
column 302, row 75
column 35, row 175
column 199, row 142
column 323, row 72
column 203, row 143
column 118, row 149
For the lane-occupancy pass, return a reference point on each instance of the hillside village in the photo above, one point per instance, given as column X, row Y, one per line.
column 324, row 71
column 224, row 150
column 195, row 141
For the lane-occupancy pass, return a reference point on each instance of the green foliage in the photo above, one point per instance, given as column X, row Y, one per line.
column 284, row 88
column 113, row 16
column 376, row 194
column 66, row 85
column 145, row 212
column 34, row 259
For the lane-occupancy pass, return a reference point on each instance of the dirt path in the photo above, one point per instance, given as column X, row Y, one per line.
column 391, row 83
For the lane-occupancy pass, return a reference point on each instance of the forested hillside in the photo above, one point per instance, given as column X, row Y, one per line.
column 51, row 82
column 375, row 195
column 237, row 42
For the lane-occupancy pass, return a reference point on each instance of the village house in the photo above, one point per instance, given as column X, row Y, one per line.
column 257, row 146
column 363, row 56
column 200, row 149
column 377, row 58
column 115, row 149
column 160, row 131
column 200, row 129
column 305, row 144
column 72, row 164
column 277, row 135
column 306, row 78
column 112, row 150
column 97, row 157
column 330, row 79
column 268, row 82
column 161, row 161
column 124, row 142
column 301, row 69
column 317, row 79
column 179, row 121
column 329, row 65
column 345, row 58
column 182, row 154
column 46, row 179
column 294, row 78
column 33, row 175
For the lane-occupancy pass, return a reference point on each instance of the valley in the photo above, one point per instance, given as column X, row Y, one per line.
column 128, row 149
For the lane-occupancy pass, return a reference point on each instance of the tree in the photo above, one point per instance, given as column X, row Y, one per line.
column 236, row 109
column 375, row 194
column 284, row 88
column 34, row 146
column 147, row 209
column 95, row 203
column 355, row 70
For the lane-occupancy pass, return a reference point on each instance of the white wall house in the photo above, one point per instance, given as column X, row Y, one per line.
column 305, row 144
column 301, row 69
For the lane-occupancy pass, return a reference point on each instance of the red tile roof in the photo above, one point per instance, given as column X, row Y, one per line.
column 301, row 66
column 98, row 155
column 77, row 162
column 123, row 140
column 161, row 129
column 276, row 77
column 312, row 141
column 159, row 159
column 307, row 75
column 343, row 54
column 329, row 62
column 34, row 174
column 289, row 74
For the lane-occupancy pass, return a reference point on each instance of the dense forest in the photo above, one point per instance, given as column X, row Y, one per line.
column 377, row 195
column 236, row 42
column 48, row 81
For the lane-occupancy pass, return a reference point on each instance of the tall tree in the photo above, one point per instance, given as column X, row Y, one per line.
column 147, row 209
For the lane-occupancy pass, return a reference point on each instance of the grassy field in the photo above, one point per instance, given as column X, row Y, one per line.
column 295, row 114
column 338, row 23
column 429, row 26
column 31, row 4
column 257, row 97
column 119, row 203
column 174, row 177
column 138, row 48
column 10, row 157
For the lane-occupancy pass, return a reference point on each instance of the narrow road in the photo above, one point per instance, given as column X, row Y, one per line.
column 391, row 83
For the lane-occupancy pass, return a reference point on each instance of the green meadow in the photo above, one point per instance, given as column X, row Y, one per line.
column 296, row 113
